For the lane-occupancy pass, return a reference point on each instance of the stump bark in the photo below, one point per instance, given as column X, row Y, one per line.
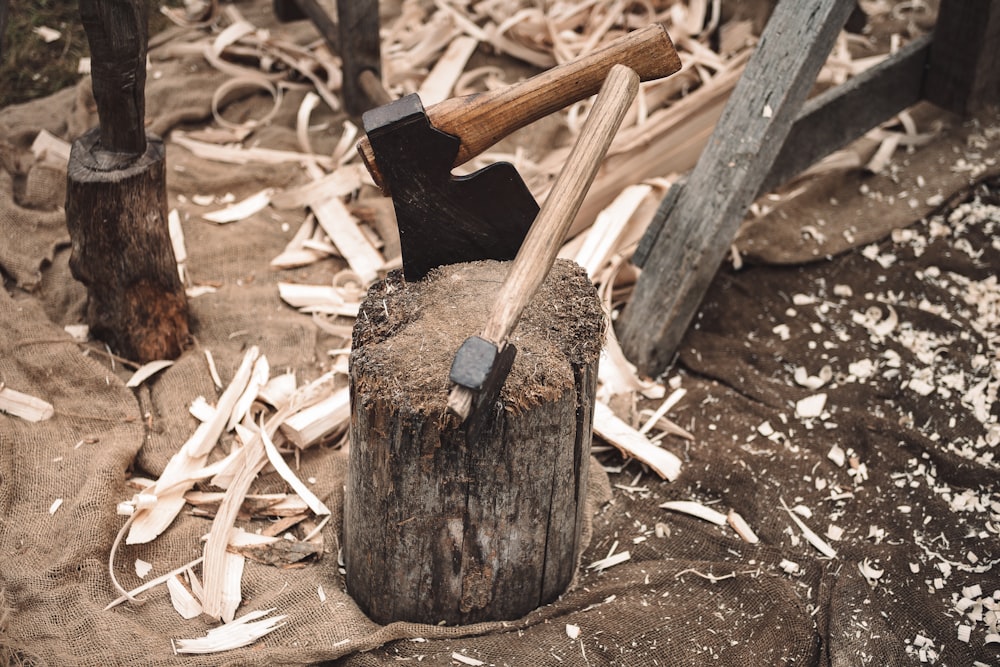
column 438, row 530
column 116, row 198
column 116, row 215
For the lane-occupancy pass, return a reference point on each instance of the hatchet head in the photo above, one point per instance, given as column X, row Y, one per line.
column 444, row 219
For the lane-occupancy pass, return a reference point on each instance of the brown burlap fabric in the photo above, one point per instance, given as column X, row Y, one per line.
column 915, row 498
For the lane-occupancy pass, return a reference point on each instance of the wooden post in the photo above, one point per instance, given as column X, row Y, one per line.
column 116, row 202
column 438, row 530
column 697, row 233
column 964, row 73
column 358, row 22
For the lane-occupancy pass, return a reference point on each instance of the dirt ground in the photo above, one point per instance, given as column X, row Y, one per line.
column 841, row 384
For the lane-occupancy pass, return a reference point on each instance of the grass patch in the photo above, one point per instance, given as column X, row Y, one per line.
column 30, row 68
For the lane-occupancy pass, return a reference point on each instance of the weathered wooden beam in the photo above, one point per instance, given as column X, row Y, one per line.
column 842, row 114
column 829, row 122
column 753, row 127
column 964, row 72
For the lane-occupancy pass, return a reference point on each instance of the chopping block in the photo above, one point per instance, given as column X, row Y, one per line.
column 441, row 529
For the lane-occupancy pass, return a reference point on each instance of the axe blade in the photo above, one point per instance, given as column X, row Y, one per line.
column 443, row 219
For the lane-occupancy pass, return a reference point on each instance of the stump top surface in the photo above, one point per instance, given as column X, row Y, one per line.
column 407, row 333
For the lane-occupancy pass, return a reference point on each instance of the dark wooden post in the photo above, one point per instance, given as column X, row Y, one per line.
column 358, row 22
column 116, row 203
column 964, row 72
column 3, row 25
column 436, row 529
column 355, row 38
column 701, row 222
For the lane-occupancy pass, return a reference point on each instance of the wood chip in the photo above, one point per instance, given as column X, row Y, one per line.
column 314, row 503
column 142, row 568
column 811, row 537
column 242, row 209
column 610, row 561
column 147, row 371
column 630, row 442
column 323, row 299
column 695, row 509
column 149, row 523
column 742, row 528
column 50, row 148
column 441, row 80
column 25, row 406
column 242, row 631
column 182, row 599
column 231, row 155
column 331, row 415
column 342, row 228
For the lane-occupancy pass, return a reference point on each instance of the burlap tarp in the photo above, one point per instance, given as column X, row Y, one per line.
column 914, row 497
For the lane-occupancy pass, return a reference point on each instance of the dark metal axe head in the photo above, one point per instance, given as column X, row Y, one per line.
column 480, row 366
column 444, row 219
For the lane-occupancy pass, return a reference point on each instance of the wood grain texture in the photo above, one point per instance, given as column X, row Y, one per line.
column 118, row 33
column 438, row 530
column 964, row 73
column 122, row 252
column 694, row 240
column 482, row 119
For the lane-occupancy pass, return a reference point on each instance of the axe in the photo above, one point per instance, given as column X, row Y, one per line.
column 410, row 151
column 483, row 362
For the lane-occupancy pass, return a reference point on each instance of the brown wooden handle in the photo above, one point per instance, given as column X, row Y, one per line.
column 541, row 245
column 482, row 119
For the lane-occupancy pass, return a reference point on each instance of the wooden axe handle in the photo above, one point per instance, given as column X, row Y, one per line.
column 541, row 245
column 482, row 119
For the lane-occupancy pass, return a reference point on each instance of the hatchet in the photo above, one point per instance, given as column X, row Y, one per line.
column 483, row 362
column 410, row 151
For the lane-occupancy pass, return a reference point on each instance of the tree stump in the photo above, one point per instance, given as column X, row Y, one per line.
column 436, row 529
column 116, row 198
column 122, row 252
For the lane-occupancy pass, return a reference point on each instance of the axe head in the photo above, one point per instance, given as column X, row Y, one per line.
column 443, row 219
column 481, row 366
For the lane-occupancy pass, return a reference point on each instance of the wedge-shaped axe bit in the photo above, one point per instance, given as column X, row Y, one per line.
column 483, row 362
column 410, row 152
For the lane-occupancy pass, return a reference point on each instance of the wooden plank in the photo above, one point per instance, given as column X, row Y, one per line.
column 837, row 117
column 753, row 127
column 964, row 73
column 829, row 122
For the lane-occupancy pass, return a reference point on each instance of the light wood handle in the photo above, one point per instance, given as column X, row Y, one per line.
column 541, row 245
column 482, row 119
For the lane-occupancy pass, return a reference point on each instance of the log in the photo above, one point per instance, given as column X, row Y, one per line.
column 116, row 198
column 438, row 531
